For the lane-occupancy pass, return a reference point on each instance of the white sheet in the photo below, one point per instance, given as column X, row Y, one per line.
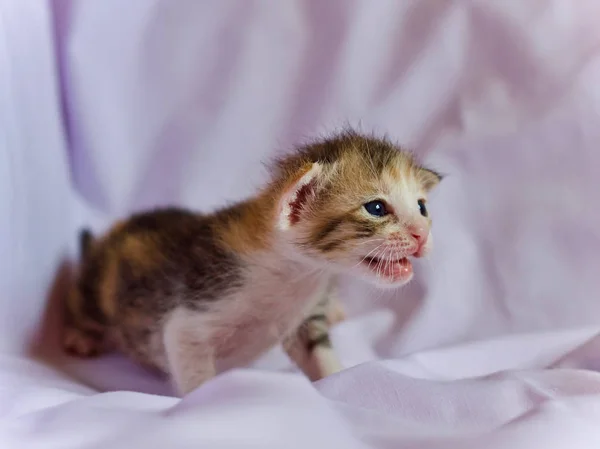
column 107, row 107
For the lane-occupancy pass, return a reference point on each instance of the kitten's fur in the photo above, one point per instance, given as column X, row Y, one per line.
column 180, row 291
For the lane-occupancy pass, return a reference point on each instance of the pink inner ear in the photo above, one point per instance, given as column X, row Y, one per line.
column 299, row 201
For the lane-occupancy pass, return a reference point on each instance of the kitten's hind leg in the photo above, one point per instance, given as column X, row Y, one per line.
column 83, row 342
column 190, row 356
column 310, row 346
column 81, row 335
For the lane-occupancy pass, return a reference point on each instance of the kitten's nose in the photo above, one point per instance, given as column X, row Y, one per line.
column 420, row 235
column 420, row 238
column 417, row 237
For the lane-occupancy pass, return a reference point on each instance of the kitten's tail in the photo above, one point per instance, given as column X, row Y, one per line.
column 86, row 239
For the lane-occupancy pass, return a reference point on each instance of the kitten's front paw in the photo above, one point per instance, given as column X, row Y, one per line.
column 335, row 312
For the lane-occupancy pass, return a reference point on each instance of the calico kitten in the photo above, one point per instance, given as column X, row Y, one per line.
column 184, row 292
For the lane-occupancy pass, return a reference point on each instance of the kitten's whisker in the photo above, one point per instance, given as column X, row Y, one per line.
column 381, row 261
column 389, row 261
column 370, row 241
column 368, row 254
column 376, row 256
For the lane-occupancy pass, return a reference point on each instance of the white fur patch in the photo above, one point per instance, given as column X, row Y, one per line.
column 189, row 351
column 327, row 361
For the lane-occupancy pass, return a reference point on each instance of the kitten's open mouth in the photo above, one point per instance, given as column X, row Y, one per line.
column 393, row 270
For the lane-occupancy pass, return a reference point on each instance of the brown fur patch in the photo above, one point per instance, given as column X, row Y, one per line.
column 76, row 316
column 246, row 227
column 324, row 230
column 141, row 251
column 73, row 306
column 108, row 288
column 149, row 265
column 118, row 227
column 377, row 153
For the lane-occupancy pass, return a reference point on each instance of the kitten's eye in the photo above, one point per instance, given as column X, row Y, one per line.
column 376, row 208
column 422, row 207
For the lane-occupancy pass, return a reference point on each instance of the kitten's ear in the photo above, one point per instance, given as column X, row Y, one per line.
column 430, row 178
column 297, row 197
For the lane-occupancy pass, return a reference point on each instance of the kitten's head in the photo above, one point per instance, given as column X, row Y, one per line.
column 356, row 205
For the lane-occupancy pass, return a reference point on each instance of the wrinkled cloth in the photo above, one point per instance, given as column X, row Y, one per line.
column 111, row 107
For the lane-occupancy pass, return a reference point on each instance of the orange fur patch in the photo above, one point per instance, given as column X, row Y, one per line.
column 248, row 226
column 108, row 288
column 141, row 251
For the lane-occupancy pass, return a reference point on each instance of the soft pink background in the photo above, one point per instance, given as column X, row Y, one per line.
column 111, row 106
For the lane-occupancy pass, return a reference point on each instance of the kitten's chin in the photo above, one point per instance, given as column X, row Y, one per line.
column 387, row 273
column 387, row 284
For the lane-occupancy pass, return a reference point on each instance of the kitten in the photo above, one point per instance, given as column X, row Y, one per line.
column 182, row 292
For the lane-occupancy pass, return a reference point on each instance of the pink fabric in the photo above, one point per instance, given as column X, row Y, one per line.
column 107, row 107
